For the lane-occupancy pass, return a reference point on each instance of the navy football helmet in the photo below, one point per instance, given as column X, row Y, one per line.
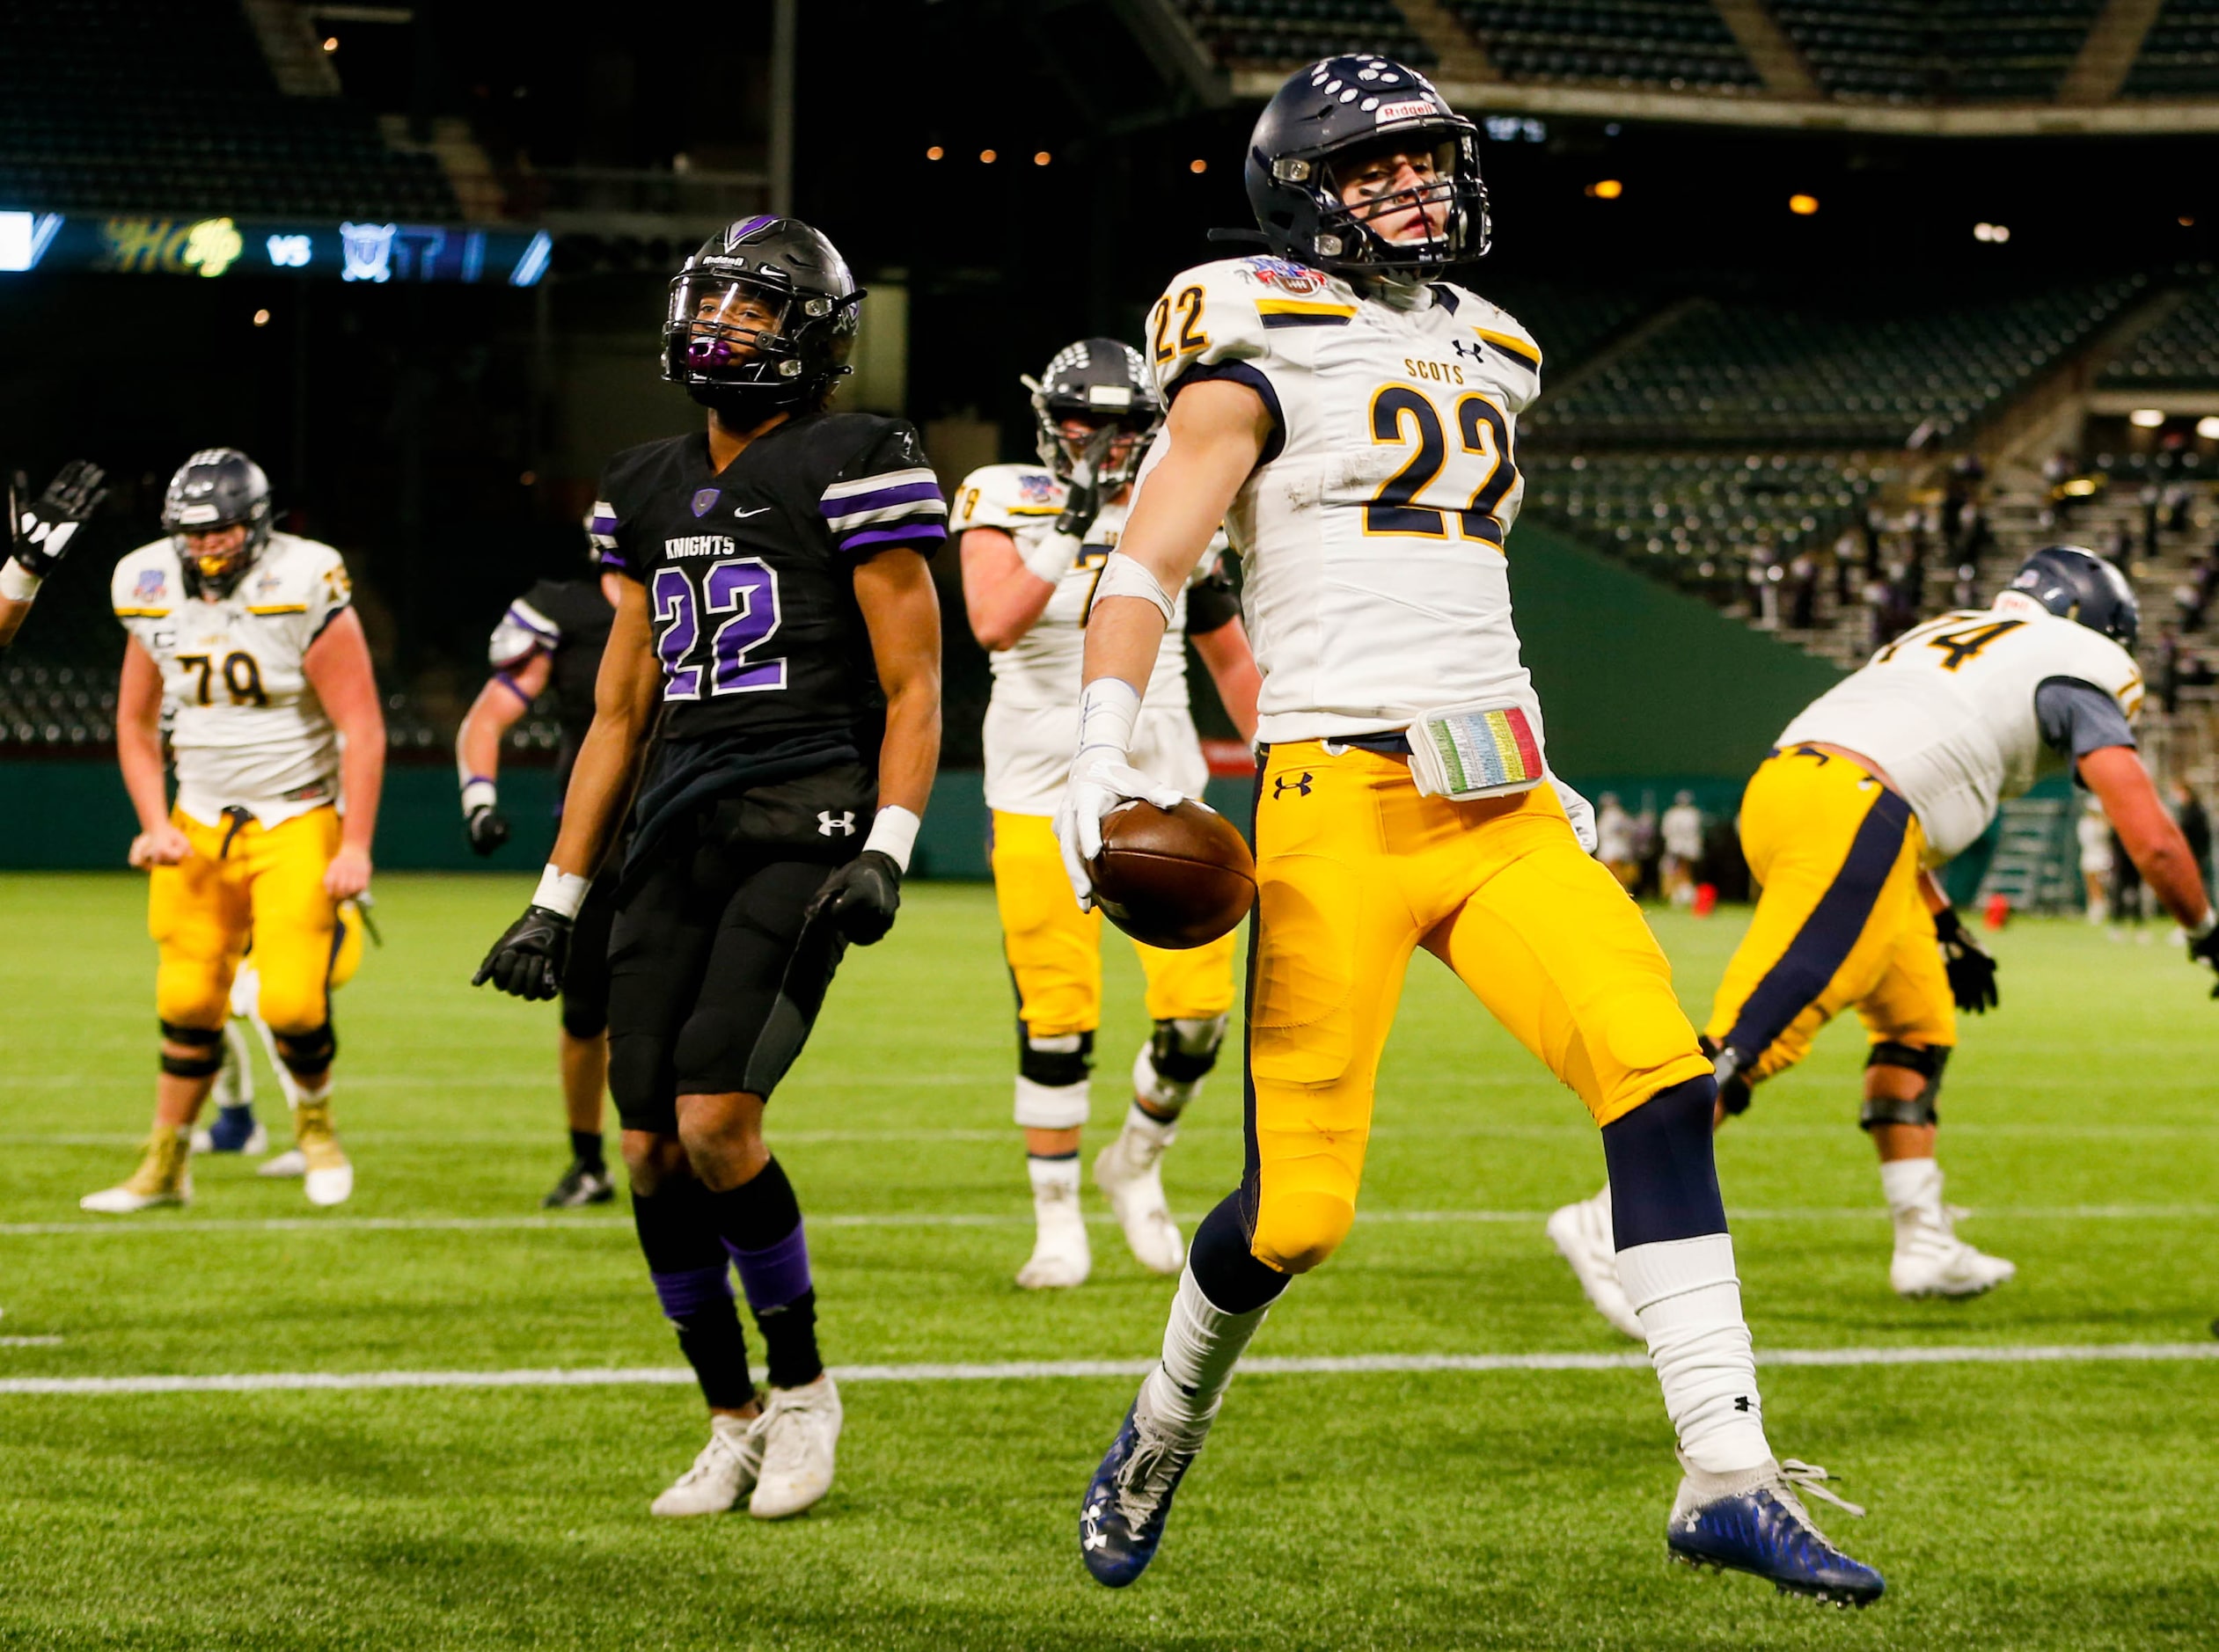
column 2076, row 584
column 1105, row 383
column 761, row 318
column 216, row 489
column 1337, row 113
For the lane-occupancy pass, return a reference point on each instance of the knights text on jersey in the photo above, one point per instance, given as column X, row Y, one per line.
column 246, row 726
column 1947, row 710
column 1372, row 532
column 749, row 571
column 568, row 620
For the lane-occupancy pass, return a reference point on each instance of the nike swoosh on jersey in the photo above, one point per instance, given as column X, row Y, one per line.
column 758, row 511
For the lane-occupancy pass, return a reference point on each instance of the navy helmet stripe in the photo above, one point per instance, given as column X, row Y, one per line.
column 1823, row 944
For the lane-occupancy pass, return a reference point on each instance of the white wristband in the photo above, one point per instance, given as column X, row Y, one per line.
column 1108, row 708
column 1122, row 576
column 17, row 584
column 477, row 794
column 561, row 891
column 894, row 834
column 2197, row 932
column 1053, row 556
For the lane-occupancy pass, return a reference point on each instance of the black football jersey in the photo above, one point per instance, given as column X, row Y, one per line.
column 749, row 571
column 568, row 620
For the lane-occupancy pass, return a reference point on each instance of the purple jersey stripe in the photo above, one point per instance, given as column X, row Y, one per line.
column 881, row 498
column 603, row 524
column 614, row 560
column 911, row 532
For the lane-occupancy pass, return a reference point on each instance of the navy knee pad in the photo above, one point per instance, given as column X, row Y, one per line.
column 1052, row 1067
column 206, row 1043
column 308, row 1055
column 1664, row 1182
column 1225, row 1267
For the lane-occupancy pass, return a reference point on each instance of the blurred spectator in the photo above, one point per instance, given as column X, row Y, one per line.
column 1964, row 592
column 2121, row 549
column 1614, row 841
column 2167, row 675
column 2195, row 825
column 2180, row 498
column 1845, row 560
column 1764, row 577
column 1802, row 591
column 1874, row 525
column 1979, row 537
column 1879, row 601
column 2057, row 470
column 2094, row 833
column 2150, row 498
column 1647, row 849
column 1681, row 828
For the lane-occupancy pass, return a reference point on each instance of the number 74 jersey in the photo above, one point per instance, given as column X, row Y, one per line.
column 1371, row 535
column 246, row 728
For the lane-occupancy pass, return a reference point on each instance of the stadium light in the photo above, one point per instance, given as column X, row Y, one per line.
column 331, row 43
column 987, row 157
column 1041, row 157
column 2207, row 427
column 1997, row 234
column 935, row 152
column 1802, row 206
column 1197, row 167
column 1607, row 189
column 2146, row 418
column 262, row 317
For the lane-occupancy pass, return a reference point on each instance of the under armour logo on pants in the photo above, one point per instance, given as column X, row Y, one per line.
column 843, row 823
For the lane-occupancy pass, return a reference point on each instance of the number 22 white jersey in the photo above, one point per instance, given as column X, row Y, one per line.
column 248, row 729
column 1371, row 535
column 1947, row 710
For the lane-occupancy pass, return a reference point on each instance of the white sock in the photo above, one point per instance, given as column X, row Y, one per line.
column 1201, row 1345
column 1157, row 1133
column 1911, row 1184
column 1055, row 1186
column 1689, row 1305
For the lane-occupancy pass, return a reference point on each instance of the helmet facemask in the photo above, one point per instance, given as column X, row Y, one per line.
column 217, row 489
column 732, row 339
column 1350, row 237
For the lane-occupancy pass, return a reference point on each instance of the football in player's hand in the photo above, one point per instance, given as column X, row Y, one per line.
column 1173, row 878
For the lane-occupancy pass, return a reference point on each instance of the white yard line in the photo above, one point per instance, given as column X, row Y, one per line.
column 30, row 1342
column 156, row 1225
column 1024, row 1370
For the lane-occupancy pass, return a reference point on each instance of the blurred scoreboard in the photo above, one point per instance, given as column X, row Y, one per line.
column 215, row 248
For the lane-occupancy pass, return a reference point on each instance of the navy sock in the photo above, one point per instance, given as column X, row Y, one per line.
column 692, row 1280
column 1225, row 1267
column 760, row 1223
column 585, row 1147
column 1664, row 1180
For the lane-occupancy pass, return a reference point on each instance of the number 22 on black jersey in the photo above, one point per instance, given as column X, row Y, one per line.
column 735, row 602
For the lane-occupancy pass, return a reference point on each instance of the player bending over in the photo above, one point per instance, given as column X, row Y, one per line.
column 1348, row 413
column 1882, row 778
column 551, row 637
column 38, row 534
column 252, row 639
column 1034, row 539
column 775, row 607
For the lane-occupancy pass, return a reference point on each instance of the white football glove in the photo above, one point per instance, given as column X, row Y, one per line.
column 1101, row 779
column 1579, row 811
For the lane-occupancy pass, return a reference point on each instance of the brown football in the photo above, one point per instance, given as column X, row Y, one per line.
column 1173, row 878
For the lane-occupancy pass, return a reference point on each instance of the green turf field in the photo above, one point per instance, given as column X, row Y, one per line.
column 2013, row 1505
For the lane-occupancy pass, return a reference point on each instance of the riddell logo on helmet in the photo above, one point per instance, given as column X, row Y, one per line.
column 1409, row 109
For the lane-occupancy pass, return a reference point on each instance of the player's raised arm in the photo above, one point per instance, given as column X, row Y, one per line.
column 337, row 666
column 39, row 533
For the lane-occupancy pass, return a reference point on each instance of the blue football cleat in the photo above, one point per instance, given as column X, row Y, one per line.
column 235, row 1130
column 1131, row 1497
column 1754, row 1523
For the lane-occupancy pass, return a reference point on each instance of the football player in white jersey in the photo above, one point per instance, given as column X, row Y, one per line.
column 1348, row 412
column 1034, row 541
column 1880, row 780
column 38, row 534
column 252, row 638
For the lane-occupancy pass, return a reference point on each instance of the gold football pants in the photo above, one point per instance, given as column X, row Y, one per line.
column 263, row 889
column 1055, row 949
column 1355, row 870
column 1841, row 920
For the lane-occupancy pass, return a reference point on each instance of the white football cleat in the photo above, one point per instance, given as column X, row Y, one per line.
column 1930, row 1260
column 1060, row 1258
column 329, row 1177
column 291, row 1162
column 1130, row 1173
column 801, row 1435
column 165, row 1176
column 724, row 1473
column 1583, row 1236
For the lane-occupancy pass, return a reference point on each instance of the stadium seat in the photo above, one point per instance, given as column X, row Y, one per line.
column 2179, row 57
column 1681, row 44
column 1904, row 51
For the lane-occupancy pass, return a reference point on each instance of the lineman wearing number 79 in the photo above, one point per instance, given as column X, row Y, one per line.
column 1348, row 412
column 774, row 607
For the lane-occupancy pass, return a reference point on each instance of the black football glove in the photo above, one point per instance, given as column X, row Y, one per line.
column 860, row 900
column 1972, row 972
column 2205, row 952
column 39, row 531
column 489, row 828
column 528, row 959
column 1082, row 503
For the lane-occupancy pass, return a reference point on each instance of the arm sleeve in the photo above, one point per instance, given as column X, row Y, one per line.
column 526, row 628
column 2077, row 718
column 886, row 495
